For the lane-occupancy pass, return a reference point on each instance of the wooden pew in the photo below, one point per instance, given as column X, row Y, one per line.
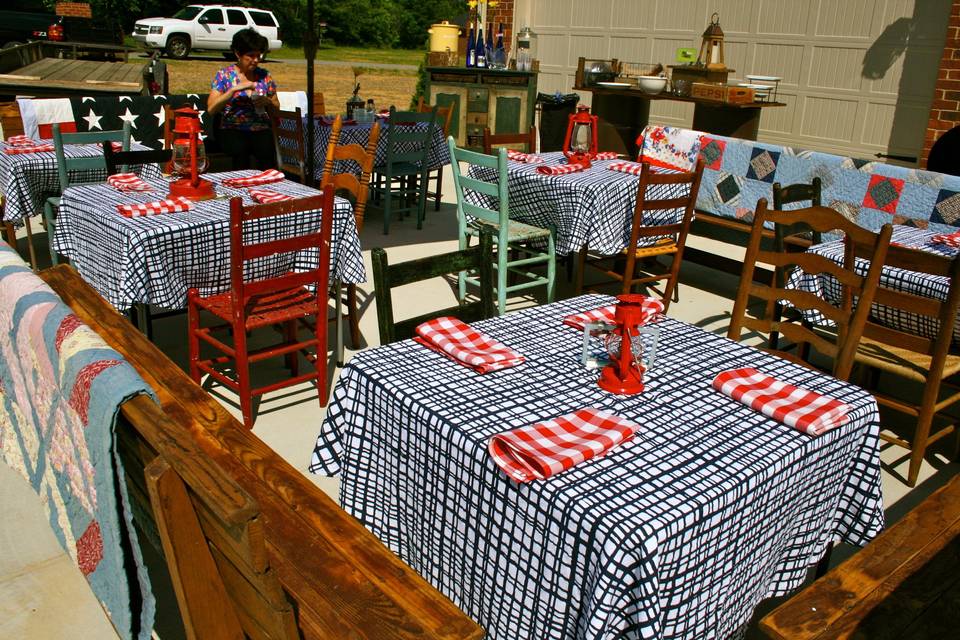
column 318, row 573
column 904, row 584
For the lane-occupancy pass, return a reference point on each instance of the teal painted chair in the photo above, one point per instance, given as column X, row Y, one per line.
column 403, row 175
column 65, row 165
column 509, row 235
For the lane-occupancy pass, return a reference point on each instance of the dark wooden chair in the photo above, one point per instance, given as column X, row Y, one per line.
column 444, row 118
column 492, row 140
column 668, row 235
column 121, row 161
column 849, row 316
column 359, row 190
column 925, row 361
column 283, row 300
column 289, row 142
column 12, row 125
column 388, row 276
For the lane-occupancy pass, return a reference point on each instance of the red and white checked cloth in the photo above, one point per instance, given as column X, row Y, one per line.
column 607, row 155
column 804, row 410
column 453, row 338
column 264, row 177
column 21, row 141
column 36, row 148
column 650, row 309
column 519, row 156
column 172, row 205
column 949, row 239
column 633, row 168
column 542, row 450
column 560, row 169
column 128, row 182
column 265, row 196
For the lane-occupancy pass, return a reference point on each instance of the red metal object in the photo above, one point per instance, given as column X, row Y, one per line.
column 624, row 374
column 580, row 143
column 189, row 158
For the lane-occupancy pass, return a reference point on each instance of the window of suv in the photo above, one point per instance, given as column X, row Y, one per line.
column 235, row 16
column 187, row 13
column 263, row 19
column 212, row 16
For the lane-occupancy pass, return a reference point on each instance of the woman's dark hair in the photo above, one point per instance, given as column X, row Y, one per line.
column 248, row 41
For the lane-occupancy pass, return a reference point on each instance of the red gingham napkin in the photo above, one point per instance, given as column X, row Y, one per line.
column 257, row 179
column 453, row 338
column 264, row 196
column 560, row 169
column 171, row 205
column 633, row 168
column 949, row 239
column 21, row 141
column 519, row 156
column 805, row 411
column 650, row 308
column 538, row 451
column 37, row 148
column 128, row 182
column 607, row 155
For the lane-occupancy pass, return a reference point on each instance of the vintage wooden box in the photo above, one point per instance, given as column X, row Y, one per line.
column 722, row 93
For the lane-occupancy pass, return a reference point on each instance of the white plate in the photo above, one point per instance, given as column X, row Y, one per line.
column 614, row 85
column 757, row 88
column 765, row 78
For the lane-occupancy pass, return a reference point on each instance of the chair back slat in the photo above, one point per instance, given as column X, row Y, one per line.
column 496, row 190
column 409, row 128
column 289, row 142
column 358, row 188
column 121, row 161
column 528, row 140
column 65, row 165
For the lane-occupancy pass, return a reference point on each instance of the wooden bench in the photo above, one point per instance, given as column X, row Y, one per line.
column 904, row 584
column 281, row 560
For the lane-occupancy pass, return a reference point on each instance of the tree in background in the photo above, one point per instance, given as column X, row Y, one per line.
column 414, row 17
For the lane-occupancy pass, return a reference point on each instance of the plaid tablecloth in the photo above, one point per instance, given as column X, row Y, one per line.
column 921, row 284
column 593, row 206
column 678, row 533
column 26, row 179
column 155, row 259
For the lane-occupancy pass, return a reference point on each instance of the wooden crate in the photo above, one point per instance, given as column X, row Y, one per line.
column 722, row 93
column 443, row 59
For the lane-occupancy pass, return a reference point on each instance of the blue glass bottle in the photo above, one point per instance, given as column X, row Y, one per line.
column 471, row 48
column 481, row 51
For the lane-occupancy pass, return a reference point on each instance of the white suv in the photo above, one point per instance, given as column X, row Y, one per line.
column 208, row 27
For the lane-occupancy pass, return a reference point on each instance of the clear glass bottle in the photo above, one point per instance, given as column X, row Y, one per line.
column 499, row 52
column 371, row 110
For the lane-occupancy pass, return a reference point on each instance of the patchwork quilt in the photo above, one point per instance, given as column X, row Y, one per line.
column 737, row 173
column 60, row 389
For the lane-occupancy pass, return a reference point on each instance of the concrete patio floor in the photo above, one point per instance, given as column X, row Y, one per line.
column 43, row 594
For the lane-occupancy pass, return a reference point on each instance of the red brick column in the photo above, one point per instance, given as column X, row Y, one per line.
column 503, row 12
column 945, row 108
column 75, row 9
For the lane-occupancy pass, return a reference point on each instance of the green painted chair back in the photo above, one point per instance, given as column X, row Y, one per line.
column 404, row 173
column 65, row 165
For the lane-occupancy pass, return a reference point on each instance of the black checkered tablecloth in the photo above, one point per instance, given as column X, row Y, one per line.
column 676, row 534
column 27, row 179
column 921, row 284
column 594, row 206
column 155, row 259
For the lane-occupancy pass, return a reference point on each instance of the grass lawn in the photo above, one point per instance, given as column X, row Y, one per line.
column 357, row 54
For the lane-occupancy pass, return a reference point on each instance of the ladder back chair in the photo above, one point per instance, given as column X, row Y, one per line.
column 12, row 125
column 388, row 276
column 509, row 234
column 264, row 300
column 65, row 165
column 350, row 155
column 848, row 316
column 444, row 119
column 661, row 222
column 491, row 140
column 403, row 175
column 289, row 142
column 924, row 360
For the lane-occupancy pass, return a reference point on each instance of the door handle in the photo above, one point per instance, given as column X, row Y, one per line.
column 221, row 29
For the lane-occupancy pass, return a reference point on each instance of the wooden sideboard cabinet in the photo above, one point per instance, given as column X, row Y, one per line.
column 501, row 100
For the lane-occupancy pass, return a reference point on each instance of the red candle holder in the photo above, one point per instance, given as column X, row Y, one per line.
column 189, row 157
column 580, row 142
column 624, row 374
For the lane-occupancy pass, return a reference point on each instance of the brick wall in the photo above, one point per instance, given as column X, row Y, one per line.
column 945, row 108
column 76, row 9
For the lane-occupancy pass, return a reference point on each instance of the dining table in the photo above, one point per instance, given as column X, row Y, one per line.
column 592, row 207
column 155, row 259
column 921, row 284
column 677, row 533
column 27, row 179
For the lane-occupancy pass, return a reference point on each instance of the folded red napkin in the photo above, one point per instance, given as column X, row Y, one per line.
column 541, row 450
column 650, row 308
column 560, row 169
column 459, row 341
column 804, row 410
column 37, row 148
column 257, row 179
column 21, row 141
column 607, row 155
column 949, row 239
column 171, row 205
column 128, row 182
column 633, row 168
column 519, row 156
column 264, row 196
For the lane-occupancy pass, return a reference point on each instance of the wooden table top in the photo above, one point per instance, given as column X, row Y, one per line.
column 637, row 93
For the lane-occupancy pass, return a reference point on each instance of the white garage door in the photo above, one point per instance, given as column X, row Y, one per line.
column 858, row 75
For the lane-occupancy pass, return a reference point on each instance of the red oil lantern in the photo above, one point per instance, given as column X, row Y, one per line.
column 624, row 374
column 189, row 157
column 580, row 144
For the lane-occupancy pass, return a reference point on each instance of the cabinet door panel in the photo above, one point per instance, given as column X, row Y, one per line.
column 509, row 114
column 451, row 100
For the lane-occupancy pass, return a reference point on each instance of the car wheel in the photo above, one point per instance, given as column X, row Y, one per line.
column 178, row 47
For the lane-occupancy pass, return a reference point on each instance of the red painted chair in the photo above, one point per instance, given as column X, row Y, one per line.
column 284, row 300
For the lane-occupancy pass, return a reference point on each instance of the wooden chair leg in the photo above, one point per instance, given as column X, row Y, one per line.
column 353, row 315
column 242, row 364
column 439, row 194
column 11, row 234
column 578, row 287
column 31, row 250
column 193, row 339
